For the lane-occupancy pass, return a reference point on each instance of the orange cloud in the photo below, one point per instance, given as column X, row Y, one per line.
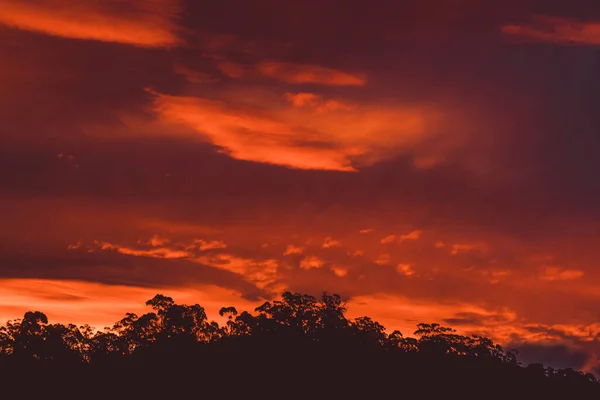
column 316, row 102
column 557, row 30
column 405, row 269
column 251, row 136
column 356, row 253
column 414, row 235
column 383, row 259
column 467, row 247
column 307, row 73
column 148, row 23
column 209, row 245
column 302, row 99
column 161, row 247
column 388, row 239
column 157, row 240
column 340, row 272
column 560, row 274
column 403, row 313
column 330, row 242
column 295, row 137
column 496, row 276
column 311, row 262
column 160, row 252
column 291, row 249
column 262, row 273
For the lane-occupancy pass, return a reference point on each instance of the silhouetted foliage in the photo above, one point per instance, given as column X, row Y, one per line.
column 299, row 346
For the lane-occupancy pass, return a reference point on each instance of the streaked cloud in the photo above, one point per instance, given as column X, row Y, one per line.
column 560, row 274
column 160, row 252
column 302, row 99
column 291, row 249
column 382, row 259
column 459, row 248
column 560, row 30
column 253, row 137
column 388, row 239
column 299, row 138
column 209, row 245
column 308, row 74
column 158, row 240
column 414, row 235
column 405, row 269
column 404, row 313
column 311, row 262
column 331, row 242
column 317, row 102
column 262, row 273
column 339, row 271
column 148, row 23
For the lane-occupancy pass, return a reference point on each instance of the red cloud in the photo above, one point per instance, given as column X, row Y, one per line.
column 250, row 136
column 557, row 30
column 560, row 274
column 148, row 23
column 307, row 73
column 316, row 102
column 414, row 235
column 299, row 137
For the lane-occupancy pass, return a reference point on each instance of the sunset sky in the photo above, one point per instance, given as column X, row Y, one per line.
column 429, row 160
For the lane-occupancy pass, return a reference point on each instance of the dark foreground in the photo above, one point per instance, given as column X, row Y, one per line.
column 299, row 347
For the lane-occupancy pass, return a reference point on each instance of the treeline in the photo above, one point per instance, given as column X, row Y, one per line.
column 296, row 346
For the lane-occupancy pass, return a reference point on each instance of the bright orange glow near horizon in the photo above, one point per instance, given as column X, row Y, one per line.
column 429, row 161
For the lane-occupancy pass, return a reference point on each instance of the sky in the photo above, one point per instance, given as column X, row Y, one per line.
column 428, row 160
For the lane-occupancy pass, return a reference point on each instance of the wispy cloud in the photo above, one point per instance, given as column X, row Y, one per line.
column 308, row 74
column 560, row 274
column 209, row 245
column 558, row 30
column 311, row 262
column 317, row 102
column 414, row 235
column 262, row 273
column 388, row 239
column 291, row 249
column 405, row 269
column 339, row 271
column 331, row 242
column 149, row 23
column 157, row 252
column 383, row 259
column 299, row 138
column 459, row 248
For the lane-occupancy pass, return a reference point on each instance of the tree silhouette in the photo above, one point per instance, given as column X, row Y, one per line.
column 298, row 345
